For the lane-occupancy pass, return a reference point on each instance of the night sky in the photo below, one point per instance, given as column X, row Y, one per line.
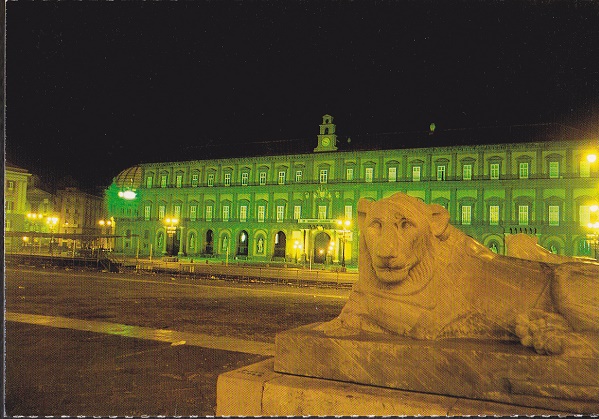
column 93, row 87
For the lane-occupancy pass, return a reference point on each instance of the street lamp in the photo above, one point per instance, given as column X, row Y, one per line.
column 344, row 229
column 297, row 247
column 593, row 236
column 51, row 221
column 103, row 225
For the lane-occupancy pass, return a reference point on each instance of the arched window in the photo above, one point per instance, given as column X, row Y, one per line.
column 243, row 243
column 280, row 244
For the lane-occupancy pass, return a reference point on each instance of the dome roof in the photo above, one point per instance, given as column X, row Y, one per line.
column 129, row 178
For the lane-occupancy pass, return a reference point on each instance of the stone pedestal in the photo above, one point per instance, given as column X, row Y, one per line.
column 313, row 374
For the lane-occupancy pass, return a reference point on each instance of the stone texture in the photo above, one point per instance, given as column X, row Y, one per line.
column 498, row 371
column 268, row 393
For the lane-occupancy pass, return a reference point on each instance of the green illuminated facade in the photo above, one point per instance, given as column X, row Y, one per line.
column 286, row 207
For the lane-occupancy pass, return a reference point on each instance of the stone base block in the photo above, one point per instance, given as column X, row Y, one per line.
column 257, row 390
column 500, row 371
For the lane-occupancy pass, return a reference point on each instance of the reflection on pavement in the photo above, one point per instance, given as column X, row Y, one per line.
column 172, row 336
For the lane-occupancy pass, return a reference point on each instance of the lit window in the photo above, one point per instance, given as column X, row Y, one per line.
column 494, row 215
column 149, row 180
column 225, row 213
column 416, row 174
column 261, row 213
column 193, row 212
column 262, row 178
column 441, row 172
column 523, row 215
column 161, row 211
column 322, row 212
column 494, row 171
column 348, row 212
column 298, row 176
column 245, row 178
column 177, row 211
column 392, row 175
column 324, row 174
column 163, row 181
column 523, row 172
column 10, row 185
column 349, row 173
column 553, row 215
column 227, row 179
column 280, row 213
column 584, row 215
column 297, row 212
column 368, row 175
column 195, row 179
column 466, row 214
column 467, row 172
column 10, row 206
column 554, row 169
column 585, row 169
column 179, row 181
column 211, row 179
column 208, row 212
column 147, row 212
column 243, row 213
column 281, row 178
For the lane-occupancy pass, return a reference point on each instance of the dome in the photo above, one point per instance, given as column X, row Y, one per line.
column 129, row 178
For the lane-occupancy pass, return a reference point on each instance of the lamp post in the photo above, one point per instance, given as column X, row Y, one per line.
column 105, row 224
column 35, row 219
column 171, row 230
column 593, row 236
column 51, row 221
column 297, row 247
column 344, row 229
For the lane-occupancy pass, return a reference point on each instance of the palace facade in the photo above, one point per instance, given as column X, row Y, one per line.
column 303, row 207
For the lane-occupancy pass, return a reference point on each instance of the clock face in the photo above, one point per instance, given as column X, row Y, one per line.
column 326, row 141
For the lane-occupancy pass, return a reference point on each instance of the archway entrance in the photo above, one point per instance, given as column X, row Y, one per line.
column 321, row 246
column 243, row 243
column 209, row 250
column 280, row 245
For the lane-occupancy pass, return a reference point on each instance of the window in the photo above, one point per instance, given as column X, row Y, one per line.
column 392, row 174
column 244, row 178
column 281, row 178
column 416, row 174
column 179, row 181
column 261, row 213
column 10, row 206
column 280, row 213
column 298, row 176
column 262, row 178
column 584, row 215
column 208, row 212
column 523, row 172
column 441, row 172
column 494, row 215
column 349, row 173
column 193, row 212
column 466, row 214
column 523, row 215
column 149, row 180
column 348, row 212
column 195, row 178
column 177, row 211
column 297, row 212
column 554, row 169
column 553, row 215
column 226, row 213
column 163, row 181
column 210, row 179
column 147, row 212
column 585, row 169
column 368, row 174
column 494, row 171
column 467, row 172
column 227, row 179
column 10, row 185
column 161, row 211
column 243, row 213
column 322, row 212
column 324, row 174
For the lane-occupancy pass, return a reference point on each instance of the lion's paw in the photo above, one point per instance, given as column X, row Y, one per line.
column 543, row 331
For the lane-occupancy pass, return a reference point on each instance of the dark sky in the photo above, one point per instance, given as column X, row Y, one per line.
column 95, row 87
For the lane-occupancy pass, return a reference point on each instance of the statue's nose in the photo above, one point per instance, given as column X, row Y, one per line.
column 388, row 245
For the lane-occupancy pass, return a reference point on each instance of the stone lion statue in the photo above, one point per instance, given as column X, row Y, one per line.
column 421, row 277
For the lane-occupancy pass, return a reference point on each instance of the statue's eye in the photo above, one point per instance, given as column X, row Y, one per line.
column 406, row 223
column 375, row 224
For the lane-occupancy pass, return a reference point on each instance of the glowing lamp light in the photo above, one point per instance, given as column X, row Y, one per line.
column 128, row 195
column 594, row 208
column 592, row 158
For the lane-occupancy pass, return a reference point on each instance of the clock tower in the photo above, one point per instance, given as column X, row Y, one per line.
column 327, row 139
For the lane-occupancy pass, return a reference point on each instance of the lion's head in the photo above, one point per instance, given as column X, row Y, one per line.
column 398, row 237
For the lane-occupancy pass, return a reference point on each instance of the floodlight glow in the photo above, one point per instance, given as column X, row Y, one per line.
column 591, row 158
column 128, row 195
column 594, row 208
